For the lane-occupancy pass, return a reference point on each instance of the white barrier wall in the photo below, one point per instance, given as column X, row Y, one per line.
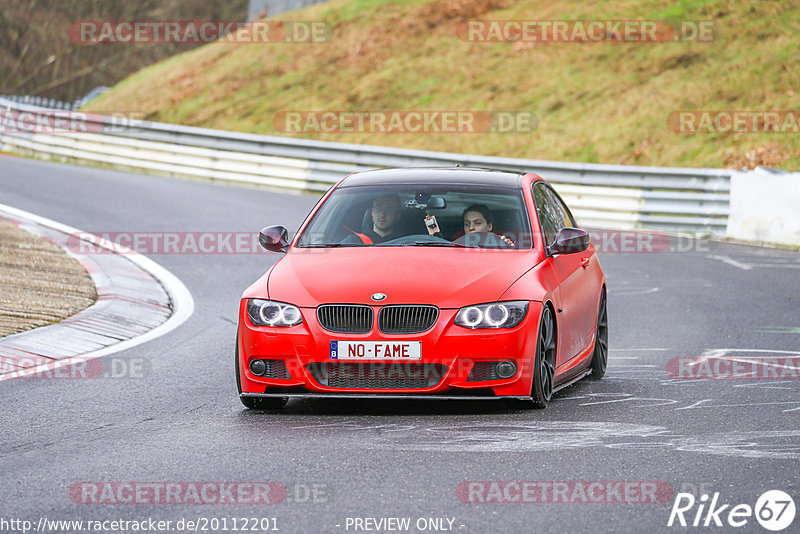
column 765, row 207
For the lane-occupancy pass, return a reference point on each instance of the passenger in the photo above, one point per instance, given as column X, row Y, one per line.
column 479, row 218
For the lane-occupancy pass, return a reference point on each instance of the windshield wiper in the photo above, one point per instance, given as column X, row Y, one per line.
column 438, row 244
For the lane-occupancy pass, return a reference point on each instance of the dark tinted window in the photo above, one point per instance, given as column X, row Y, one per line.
column 551, row 216
column 565, row 219
column 349, row 211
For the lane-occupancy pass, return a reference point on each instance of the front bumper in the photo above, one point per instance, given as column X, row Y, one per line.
column 451, row 350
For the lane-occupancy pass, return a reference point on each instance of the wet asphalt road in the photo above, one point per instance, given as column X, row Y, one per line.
column 366, row 459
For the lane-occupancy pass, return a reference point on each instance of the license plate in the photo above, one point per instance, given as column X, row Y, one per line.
column 376, row 350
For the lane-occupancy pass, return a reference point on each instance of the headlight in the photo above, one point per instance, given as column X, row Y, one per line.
column 494, row 315
column 271, row 313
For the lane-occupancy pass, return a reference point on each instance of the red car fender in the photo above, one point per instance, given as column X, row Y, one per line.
column 258, row 289
column 537, row 284
column 598, row 280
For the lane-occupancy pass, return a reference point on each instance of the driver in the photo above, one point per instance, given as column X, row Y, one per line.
column 385, row 218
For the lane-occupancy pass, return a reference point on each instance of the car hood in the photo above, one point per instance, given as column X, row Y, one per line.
column 445, row 277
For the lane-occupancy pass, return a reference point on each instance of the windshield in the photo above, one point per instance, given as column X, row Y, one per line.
column 421, row 215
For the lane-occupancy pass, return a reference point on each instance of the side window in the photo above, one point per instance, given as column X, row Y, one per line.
column 549, row 214
column 565, row 218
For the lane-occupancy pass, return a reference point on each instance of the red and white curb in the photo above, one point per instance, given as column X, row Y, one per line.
column 138, row 300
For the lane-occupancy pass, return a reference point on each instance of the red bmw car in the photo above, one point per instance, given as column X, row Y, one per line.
column 453, row 283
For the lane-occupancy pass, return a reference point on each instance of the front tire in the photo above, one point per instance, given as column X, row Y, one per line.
column 544, row 363
column 544, row 373
column 256, row 403
column 600, row 355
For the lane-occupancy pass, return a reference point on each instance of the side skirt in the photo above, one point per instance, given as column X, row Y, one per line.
column 571, row 380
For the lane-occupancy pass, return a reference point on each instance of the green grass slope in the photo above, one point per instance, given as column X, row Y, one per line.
column 595, row 102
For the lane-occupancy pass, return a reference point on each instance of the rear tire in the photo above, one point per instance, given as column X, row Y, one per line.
column 256, row 403
column 600, row 355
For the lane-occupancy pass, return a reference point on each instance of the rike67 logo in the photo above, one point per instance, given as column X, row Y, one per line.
column 774, row 510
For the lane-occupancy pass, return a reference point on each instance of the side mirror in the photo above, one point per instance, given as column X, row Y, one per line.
column 274, row 238
column 570, row 241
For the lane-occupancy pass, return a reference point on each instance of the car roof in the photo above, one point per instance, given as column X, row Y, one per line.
column 436, row 175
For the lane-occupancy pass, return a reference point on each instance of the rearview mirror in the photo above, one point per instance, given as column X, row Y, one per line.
column 274, row 238
column 570, row 241
column 436, row 203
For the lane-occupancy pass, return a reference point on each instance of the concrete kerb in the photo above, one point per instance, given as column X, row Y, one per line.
column 148, row 299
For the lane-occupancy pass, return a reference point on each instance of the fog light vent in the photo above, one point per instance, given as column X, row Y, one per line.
column 482, row 371
column 270, row 369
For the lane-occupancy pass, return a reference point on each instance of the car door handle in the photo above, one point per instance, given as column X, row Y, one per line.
column 585, row 262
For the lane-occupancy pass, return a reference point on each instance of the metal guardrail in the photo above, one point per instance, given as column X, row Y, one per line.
column 620, row 196
column 48, row 103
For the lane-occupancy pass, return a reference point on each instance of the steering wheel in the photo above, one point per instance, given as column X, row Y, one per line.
column 483, row 240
